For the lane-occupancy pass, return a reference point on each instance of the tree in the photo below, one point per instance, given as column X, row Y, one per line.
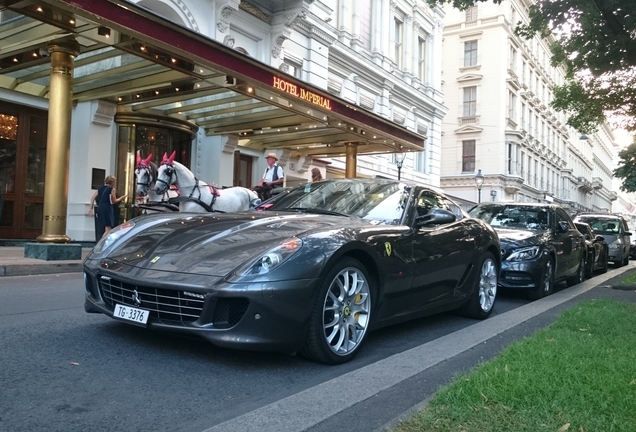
column 595, row 42
column 627, row 168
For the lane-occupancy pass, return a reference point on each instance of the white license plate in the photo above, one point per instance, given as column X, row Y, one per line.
column 128, row 313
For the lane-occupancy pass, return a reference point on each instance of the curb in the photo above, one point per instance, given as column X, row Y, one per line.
column 40, row 269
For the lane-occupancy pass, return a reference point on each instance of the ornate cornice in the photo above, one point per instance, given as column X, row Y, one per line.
column 252, row 10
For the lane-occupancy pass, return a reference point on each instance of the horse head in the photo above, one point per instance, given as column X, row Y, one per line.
column 145, row 174
column 166, row 174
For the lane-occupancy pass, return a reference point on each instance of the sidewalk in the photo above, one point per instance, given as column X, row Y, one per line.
column 13, row 263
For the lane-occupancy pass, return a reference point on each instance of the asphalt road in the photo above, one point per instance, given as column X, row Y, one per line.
column 62, row 369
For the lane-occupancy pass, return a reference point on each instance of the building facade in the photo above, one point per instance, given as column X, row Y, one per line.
column 497, row 87
column 133, row 95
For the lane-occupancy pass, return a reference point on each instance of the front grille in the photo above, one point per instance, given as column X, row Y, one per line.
column 165, row 305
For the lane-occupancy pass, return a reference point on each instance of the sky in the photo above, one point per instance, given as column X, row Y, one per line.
column 623, row 138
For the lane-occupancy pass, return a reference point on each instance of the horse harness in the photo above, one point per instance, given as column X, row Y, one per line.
column 213, row 190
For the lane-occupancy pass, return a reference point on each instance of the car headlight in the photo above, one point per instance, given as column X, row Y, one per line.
column 524, row 254
column 271, row 259
column 616, row 243
column 113, row 235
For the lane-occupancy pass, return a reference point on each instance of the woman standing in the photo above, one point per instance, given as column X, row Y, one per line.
column 316, row 175
column 107, row 202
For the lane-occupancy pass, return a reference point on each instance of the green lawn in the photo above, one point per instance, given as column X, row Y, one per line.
column 579, row 375
column 630, row 279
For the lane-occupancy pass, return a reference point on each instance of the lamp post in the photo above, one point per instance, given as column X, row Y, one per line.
column 479, row 182
column 399, row 160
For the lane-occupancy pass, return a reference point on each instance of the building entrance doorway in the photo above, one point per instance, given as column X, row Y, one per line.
column 22, row 167
column 147, row 135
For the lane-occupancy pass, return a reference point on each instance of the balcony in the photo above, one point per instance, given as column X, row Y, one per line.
column 513, row 183
column 584, row 184
column 597, row 183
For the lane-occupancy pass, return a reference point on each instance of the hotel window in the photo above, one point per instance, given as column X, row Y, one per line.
column 468, row 156
column 471, row 14
column 294, row 68
column 470, row 101
column 513, row 59
column 512, row 104
column 399, row 29
column 420, row 161
column 470, row 53
column 523, row 116
column 421, row 59
column 509, row 161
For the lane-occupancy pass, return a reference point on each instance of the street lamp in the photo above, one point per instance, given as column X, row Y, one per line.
column 479, row 182
column 399, row 160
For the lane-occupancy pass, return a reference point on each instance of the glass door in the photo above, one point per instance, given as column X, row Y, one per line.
column 22, row 167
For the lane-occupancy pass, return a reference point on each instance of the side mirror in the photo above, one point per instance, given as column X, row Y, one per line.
column 436, row 217
column 563, row 227
column 628, row 233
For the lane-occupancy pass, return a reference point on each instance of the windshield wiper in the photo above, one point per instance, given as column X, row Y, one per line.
column 315, row 210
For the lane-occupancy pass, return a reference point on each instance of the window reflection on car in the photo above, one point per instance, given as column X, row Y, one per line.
column 524, row 217
column 382, row 203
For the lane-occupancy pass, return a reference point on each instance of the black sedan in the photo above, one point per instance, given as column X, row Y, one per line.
column 597, row 257
column 540, row 245
column 312, row 273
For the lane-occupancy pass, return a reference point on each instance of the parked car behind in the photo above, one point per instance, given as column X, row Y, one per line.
column 597, row 256
column 614, row 230
column 540, row 245
column 632, row 249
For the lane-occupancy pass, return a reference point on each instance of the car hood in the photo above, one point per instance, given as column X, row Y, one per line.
column 516, row 238
column 212, row 244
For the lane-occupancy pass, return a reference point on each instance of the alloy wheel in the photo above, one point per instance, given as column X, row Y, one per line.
column 547, row 277
column 346, row 311
column 487, row 285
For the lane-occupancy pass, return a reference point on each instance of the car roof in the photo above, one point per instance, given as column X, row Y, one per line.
column 516, row 204
column 599, row 215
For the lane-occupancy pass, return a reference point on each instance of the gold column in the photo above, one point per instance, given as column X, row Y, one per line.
column 58, row 143
column 351, row 160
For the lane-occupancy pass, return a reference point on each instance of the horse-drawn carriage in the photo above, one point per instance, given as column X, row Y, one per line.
column 173, row 187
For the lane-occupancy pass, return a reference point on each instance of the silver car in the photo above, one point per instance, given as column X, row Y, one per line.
column 614, row 230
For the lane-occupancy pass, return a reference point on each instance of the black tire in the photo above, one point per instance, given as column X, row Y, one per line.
column 482, row 299
column 579, row 276
column 340, row 318
column 626, row 259
column 547, row 282
column 605, row 267
column 589, row 267
column 618, row 264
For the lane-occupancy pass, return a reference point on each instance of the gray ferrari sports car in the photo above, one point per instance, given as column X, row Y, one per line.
column 310, row 271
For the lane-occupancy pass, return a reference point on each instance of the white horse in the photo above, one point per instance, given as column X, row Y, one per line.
column 197, row 196
column 145, row 178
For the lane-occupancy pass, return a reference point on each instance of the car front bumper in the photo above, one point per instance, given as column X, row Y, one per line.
column 268, row 316
column 522, row 274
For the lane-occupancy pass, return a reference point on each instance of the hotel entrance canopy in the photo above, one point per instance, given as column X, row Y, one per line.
column 150, row 66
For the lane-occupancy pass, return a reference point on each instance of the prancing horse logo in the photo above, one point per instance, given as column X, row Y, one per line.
column 136, row 298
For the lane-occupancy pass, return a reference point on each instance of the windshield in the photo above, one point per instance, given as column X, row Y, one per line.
column 377, row 201
column 513, row 216
column 601, row 225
